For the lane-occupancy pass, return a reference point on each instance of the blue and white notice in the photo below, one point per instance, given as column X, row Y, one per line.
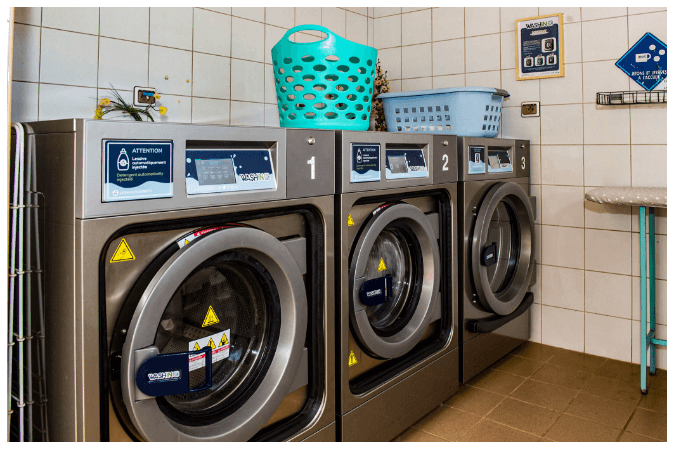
column 137, row 170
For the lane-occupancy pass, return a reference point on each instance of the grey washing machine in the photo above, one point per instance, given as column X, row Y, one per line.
column 496, row 244
column 187, row 292
column 395, row 261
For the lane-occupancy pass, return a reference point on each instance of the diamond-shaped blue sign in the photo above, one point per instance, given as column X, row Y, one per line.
column 646, row 62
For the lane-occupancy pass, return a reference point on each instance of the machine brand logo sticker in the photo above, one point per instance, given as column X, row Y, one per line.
column 165, row 376
column 352, row 359
column 374, row 292
column 382, row 265
column 218, row 352
column 255, row 176
column 350, row 221
column 122, row 253
column 211, row 318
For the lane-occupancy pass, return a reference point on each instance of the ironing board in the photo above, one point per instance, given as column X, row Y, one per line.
column 642, row 197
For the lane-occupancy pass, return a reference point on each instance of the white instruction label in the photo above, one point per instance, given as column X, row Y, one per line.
column 219, row 344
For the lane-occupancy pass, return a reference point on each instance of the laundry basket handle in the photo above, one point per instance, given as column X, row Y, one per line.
column 290, row 32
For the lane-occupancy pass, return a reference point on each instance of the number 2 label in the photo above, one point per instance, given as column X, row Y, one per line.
column 445, row 159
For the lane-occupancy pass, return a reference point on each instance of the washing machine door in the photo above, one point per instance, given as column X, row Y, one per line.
column 237, row 288
column 502, row 248
column 394, row 278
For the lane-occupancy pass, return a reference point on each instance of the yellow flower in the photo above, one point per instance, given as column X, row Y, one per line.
column 98, row 115
column 157, row 96
column 162, row 110
column 104, row 102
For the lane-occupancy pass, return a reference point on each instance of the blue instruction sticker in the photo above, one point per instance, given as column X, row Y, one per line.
column 365, row 162
column 645, row 62
column 137, row 170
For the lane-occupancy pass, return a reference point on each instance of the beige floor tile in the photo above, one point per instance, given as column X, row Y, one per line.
column 537, row 351
column 496, row 381
column 633, row 437
column 659, row 381
column 562, row 375
column 601, row 410
column 579, row 360
column 571, row 428
column 615, row 369
column 646, row 422
column 522, row 416
column 614, row 389
column 519, row 366
column 475, row 400
column 490, row 431
column 418, row 436
column 448, row 423
column 655, row 400
column 545, row 395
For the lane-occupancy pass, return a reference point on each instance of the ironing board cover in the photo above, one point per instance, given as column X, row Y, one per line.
column 629, row 196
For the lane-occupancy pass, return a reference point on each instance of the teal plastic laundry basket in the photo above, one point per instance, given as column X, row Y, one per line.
column 325, row 84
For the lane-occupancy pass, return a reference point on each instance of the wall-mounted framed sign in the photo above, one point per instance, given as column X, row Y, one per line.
column 540, row 47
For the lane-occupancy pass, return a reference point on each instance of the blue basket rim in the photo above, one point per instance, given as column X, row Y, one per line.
column 445, row 90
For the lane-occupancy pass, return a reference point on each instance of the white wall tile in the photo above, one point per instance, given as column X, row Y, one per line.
column 520, row 91
column 649, row 166
column 211, row 76
column 361, row 11
column 535, row 323
column 272, row 36
column 416, row 27
column 223, row 10
column 416, row 61
column 335, row 20
column 570, row 14
column 509, row 15
column 417, row 84
column 607, row 336
column 483, row 53
column 248, row 114
column 29, row 16
column 248, row 37
column 563, row 205
column 271, row 117
column 24, row 102
column 535, row 190
column 171, row 27
column 535, row 165
column 448, row 57
column 538, row 247
column 395, row 86
column 606, row 124
column 134, row 71
column 247, row 82
column 602, row 76
column 562, row 124
column 562, row 165
column 174, row 64
column 281, row 17
column 132, row 24
column 382, row 12
column 370, row 11
column 632, row 11
column 412, row 9
column 26, row 64
column 356, row 28
column 608, row 294
column 563, row 247
column 660, row 351
column 649, row 124
column 655, row 24
column 515, row 126
column 308, row 16
column 68, row 58
column 447, row 23
column 387, row 32
column 536, row 287
column 607, row 216
column 390, row 59
column 594, row 13
column 607, row 165
column 449, row 81
column 508, row 53
column 562, row 328
column 179, row 109
column 208, row 110
column 481, row 21
column 484, row 79
column 660, row 300
column 607, row 251
column 58, row 102
column 572, row 43
column 563, row 287
column 660, row 255
column 269, row 85
column 563, row 90
column 604, row 39
column 212, row 32
column 250, row 13
column 82, row 20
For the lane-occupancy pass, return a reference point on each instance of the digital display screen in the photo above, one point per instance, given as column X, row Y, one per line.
column 215, row 171
column 397, row 164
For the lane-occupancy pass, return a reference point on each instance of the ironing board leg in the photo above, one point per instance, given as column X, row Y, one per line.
column 651, row 293
column 644, row 299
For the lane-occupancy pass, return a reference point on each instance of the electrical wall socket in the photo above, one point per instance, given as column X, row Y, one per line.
column 143, row 96
column 531, row 109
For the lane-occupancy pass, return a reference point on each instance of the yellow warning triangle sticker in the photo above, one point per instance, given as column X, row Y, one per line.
column 210, row 318
column 350, row 222
column 224, row 340
column 352, row 359
column 122, row 253
column 211, row 343
column 196, row 347
column 186, row 241
column 382, row 265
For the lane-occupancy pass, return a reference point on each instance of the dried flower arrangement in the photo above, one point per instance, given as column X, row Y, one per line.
column 380, row 87
column 106, row 105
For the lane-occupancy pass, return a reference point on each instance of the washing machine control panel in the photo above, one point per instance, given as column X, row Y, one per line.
column 483, row 159
column 228, row 170
column 405, row 164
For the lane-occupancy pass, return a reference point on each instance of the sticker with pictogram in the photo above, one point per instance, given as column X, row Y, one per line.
column 352, row 358
column 382, row 265
column 211, row 318
column 123, row 253
column 219, row 350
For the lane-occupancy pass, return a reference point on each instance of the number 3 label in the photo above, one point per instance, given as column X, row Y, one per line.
column 524, row 163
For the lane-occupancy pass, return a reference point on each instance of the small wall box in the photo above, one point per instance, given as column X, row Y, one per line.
column 143, row 96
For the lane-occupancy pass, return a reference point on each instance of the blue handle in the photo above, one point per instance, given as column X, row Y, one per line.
column 169, row 374
column 290, row 32
column 208, row 382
